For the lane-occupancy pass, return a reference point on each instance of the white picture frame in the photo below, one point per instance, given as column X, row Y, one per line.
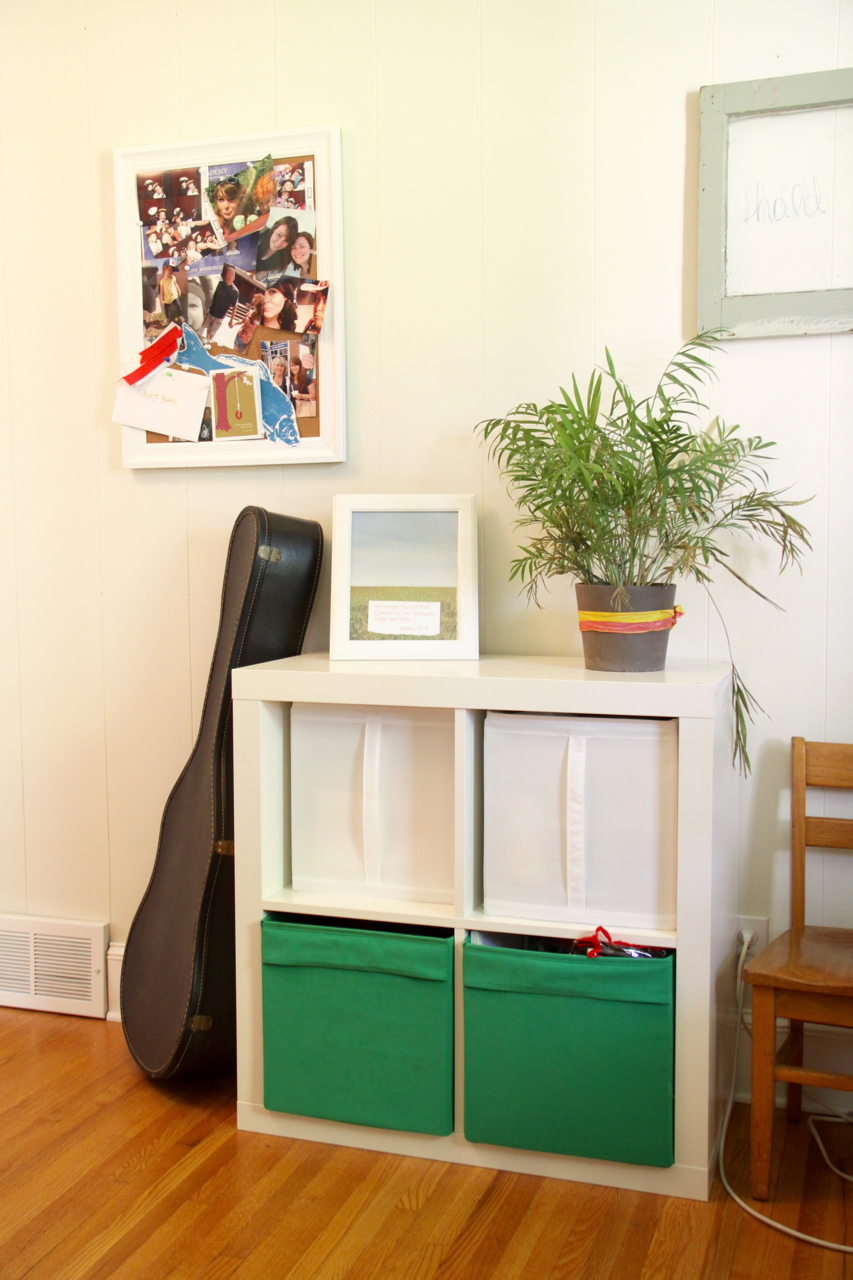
column 352, row 550
column 325, row 144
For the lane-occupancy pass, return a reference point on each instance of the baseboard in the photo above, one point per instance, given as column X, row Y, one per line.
column 689, row 1182
column 115, row 956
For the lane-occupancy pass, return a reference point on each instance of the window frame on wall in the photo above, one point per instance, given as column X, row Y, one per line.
column 758, row 315
column 325, row 145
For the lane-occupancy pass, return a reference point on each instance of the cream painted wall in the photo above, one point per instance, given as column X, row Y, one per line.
column 487, row 145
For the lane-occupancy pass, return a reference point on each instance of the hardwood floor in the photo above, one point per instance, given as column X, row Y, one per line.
column 103, row 1173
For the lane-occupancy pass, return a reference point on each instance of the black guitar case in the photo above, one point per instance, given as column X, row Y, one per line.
column 177, row 980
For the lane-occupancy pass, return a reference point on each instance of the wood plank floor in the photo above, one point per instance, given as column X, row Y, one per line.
column 103, row 1173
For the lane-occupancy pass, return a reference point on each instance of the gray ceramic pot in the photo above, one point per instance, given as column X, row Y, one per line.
column 625, row 651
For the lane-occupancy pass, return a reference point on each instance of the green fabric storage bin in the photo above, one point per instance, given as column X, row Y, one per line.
column 568, row 1054
column 358, row 1024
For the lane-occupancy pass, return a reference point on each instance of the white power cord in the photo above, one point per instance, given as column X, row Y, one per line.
column 838, row 1118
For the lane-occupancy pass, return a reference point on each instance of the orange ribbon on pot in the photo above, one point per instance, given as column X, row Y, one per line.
column 651, row 620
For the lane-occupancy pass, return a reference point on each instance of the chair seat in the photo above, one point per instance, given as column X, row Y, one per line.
column 811, row 959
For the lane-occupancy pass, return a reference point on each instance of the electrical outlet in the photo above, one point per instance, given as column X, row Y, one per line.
column 757, row 925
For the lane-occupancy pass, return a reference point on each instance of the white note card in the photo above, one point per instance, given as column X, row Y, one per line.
column 171, row 402
column 404, row 617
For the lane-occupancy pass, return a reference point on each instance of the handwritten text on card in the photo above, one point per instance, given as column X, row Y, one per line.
column 404, row 617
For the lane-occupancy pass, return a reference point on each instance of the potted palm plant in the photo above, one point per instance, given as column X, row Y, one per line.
column 631, row 495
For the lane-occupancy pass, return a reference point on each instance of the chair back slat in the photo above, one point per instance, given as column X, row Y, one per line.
column 815, row 764
column 798, row 833
column 829, row 833
column 829, row 764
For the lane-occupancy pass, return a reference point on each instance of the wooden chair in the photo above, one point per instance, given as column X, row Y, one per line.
column 807, row 973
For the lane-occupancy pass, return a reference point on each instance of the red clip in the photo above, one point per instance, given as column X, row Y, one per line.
column 158, row 353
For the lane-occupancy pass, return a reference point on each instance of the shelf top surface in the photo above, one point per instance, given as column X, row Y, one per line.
column 438, row 914
column 534, row 683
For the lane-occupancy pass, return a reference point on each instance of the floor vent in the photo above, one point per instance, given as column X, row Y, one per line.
column 54, row 965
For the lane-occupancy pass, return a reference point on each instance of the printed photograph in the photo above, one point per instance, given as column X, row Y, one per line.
column 186, row 192
column 294, row 183
column 157, row 234
column 242, row 195
column 206, row 432
column 225, row 310
column 303, row 387
column 403, row 575
column 200, row 242
column 293, row 366
column 164, row 298
column 169, row 205
column 222, row 196
column 311, row 297
column 241, row 254
column 286, row 246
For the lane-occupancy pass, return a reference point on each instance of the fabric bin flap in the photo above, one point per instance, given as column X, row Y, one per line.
column 631, row 980
column 310, row 946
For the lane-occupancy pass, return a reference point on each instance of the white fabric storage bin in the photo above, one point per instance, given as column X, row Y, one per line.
column 580, row 819
column 372, row 801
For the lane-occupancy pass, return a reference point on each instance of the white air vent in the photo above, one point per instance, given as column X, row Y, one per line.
column 15, row 962
column 55, row 965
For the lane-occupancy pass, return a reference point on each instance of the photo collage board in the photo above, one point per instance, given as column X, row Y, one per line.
column 229, row 252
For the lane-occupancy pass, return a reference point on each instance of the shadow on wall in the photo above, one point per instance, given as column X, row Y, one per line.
column 690, row 244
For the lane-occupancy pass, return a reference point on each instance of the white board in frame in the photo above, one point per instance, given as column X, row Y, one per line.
column 783, row 149
column 392, row 539
column 325, row 144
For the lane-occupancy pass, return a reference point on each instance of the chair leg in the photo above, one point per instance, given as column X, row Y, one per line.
column 763, row 1087
column 795, row 1091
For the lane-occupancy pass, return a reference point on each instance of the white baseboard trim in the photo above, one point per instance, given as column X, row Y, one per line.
column 115, row 956
column 687, row 1181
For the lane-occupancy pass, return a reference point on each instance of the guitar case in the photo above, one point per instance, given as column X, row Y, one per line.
column 178, row 979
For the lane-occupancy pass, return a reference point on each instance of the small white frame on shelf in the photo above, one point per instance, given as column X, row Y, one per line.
column 325, row 145
column 696, row 694
column 428, row 541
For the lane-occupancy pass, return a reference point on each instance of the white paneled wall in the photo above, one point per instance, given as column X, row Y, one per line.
column 519, row 192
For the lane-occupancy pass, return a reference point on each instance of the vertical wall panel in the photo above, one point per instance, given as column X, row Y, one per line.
column 143, row 514
column 13, row 872
column 779, row 388
column 45, row 129
column 428, row 94
column 837, row 904
column 207, row 108
column 538, row 221
column 343, row 43
column 649, row 60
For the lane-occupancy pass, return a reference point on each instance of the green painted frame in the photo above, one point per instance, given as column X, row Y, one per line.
column 760, row 315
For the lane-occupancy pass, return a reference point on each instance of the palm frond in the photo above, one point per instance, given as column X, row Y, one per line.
column 638, row 492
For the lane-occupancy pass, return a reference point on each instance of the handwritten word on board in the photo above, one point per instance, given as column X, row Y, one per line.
column 790, row 202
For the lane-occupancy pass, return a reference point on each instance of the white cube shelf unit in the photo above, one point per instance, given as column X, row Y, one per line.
column 695, row 694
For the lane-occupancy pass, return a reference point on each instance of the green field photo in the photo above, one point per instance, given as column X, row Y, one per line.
column 360, row 598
